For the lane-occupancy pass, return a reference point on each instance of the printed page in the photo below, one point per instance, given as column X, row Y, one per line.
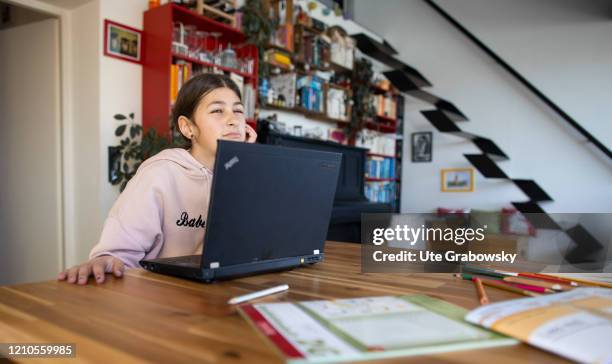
column 575, row 324
column 304, row 332
column 387, row 323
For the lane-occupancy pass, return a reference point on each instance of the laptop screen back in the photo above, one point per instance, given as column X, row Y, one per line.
column 268, row 202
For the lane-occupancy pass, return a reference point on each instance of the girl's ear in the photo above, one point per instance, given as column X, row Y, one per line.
column 185, row 127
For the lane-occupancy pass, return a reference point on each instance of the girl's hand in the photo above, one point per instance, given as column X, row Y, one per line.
column 97, row 266
column 251, row 135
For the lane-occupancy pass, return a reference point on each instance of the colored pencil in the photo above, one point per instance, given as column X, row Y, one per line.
column 482, row 295
column 591, row 283
column 527, row 287
column 469, row 277
column 507, row 287
column 537, row 283
column 530, row 288
column 549, row 278
column 482, row 271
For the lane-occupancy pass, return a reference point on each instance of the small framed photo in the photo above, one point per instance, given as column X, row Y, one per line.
column 458, row 180
column 422, row 146
column 123, row 42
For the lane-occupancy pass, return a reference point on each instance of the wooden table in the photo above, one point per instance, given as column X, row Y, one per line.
column 146, row 317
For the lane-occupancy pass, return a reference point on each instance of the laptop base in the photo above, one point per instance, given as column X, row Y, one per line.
column 189, row 267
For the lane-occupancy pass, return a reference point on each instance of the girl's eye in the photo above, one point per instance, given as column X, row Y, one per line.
column 216, row 111
column 239, row 111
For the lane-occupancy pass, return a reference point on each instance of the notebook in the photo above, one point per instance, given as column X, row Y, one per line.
column 575, row 324
column 366, row 328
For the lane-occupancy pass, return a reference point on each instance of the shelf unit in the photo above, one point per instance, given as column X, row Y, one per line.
column 309, row 114
column 389, row 125
column 158, row 57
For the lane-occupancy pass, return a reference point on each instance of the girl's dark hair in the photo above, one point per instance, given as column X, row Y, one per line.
column 193, row 91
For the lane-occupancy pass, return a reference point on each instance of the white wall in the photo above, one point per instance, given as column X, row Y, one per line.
column 538, row 143
column 120, row 89
column 84, row 140
column 103, row 87
column 561, row 46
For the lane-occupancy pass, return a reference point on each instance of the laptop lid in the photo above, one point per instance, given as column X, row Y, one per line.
column 268, row 202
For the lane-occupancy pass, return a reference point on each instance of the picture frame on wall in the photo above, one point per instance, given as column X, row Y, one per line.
column 422, row 146
column 122, row 42
column 457, row 179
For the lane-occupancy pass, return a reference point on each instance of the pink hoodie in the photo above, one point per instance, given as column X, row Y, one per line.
column 161, row 212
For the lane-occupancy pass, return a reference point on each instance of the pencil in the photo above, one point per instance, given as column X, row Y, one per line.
column 507, row 287
column 482, row 295
column 537, row 283
column 469, row 277
column 549, row 278
column 591, row 283
column 483, row 271
column 527, row 287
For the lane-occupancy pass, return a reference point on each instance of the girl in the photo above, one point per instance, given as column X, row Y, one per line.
column 162, row 211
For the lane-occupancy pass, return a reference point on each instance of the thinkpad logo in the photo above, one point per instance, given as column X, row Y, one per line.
column 229, row 164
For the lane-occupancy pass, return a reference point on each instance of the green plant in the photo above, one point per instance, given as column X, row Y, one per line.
column 135, row 147
column 361, row 87
column 258, row 29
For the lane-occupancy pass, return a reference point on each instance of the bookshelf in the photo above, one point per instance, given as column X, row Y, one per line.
column 383, row 170
column 159, row 58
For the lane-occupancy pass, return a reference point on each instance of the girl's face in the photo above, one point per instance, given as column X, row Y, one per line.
column 219, row 115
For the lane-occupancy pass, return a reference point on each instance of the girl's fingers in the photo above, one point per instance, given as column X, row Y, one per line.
column 84, row 272
column 72, row 274
column 62, row 275
column 251, row 135
column 118, row 267
column 98, row 271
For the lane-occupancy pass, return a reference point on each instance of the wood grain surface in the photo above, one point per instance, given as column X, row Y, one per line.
column 147, row 317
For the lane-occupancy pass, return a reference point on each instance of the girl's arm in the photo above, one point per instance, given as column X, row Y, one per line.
column 133, row 227
column 131, row 230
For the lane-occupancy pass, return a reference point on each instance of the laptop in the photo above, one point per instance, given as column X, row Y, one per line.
column 269, row 210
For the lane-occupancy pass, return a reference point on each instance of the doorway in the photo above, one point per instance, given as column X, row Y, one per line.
column 31, row 235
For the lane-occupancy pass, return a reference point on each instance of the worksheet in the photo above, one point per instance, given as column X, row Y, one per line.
column 575, row 324
column 367, row 328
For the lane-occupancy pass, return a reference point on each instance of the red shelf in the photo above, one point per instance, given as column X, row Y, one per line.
column 386, row 118
column 158, row 57
column 208, row 64
column 187, row 16
column 380, row 127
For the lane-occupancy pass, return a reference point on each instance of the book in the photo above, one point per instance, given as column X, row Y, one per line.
column 576, row 324
column 366, row 328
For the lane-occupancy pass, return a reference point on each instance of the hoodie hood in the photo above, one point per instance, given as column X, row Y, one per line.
column 183, row 158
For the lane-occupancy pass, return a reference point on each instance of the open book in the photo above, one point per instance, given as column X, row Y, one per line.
column 367, row 328
column 575, row 324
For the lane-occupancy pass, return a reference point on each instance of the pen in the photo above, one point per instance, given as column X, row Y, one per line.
column 254, row 295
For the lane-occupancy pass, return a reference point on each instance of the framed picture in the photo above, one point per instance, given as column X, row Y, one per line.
column 123, row 42
column 458, row 180
column 422, row 146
